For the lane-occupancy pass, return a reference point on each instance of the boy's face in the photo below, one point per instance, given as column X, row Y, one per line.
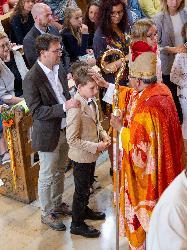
column 89, row 90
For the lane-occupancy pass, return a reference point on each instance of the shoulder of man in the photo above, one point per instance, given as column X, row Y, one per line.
column 31, row 35
column 53, row 30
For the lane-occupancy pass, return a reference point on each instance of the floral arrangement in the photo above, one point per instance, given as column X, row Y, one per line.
column 7, row 119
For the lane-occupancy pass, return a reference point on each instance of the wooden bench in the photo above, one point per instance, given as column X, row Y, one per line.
column 26, row 171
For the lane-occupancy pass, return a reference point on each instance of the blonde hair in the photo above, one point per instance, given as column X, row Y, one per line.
column 164, row 6
column 3, row 35
column 67, row 16
column 140, row 29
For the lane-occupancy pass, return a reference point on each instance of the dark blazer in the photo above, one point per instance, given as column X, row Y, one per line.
column 46, row 112
column 71, row 44
column 19, row 29
column 29, row 46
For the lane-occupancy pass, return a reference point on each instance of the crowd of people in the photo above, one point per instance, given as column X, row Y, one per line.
column 51, row 58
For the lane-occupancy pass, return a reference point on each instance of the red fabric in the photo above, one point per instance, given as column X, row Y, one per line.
column 2, row 2
column 137, row 48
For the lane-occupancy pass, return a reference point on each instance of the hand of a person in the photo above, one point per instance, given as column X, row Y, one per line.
column 99, row 80
column 107, row 139
column 84, row 29
column 102, row 146
column 91, row 61
column 116, row 122
column 175, row 50
column 72, row 103
column 69, row 76
column 89, row 51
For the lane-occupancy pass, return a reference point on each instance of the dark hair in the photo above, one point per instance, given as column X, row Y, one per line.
column 184, row 32
column 91, row 26
column 105, row 17
column 44, row 41
column 19, row 10
column 81, row 75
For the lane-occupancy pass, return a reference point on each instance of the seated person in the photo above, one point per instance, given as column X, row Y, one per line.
column 91, row 20
column 42, row 16
column 58, row 7
column 75, row 35
column 7, row 94
column 21, row 20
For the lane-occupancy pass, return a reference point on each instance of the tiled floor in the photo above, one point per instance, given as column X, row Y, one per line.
column 20, row 226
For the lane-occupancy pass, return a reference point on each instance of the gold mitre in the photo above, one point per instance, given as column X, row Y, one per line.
column 142, row 60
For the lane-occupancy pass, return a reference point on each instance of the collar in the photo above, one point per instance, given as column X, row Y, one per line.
column 90, row 100
column 41, row 31
column 46, row 69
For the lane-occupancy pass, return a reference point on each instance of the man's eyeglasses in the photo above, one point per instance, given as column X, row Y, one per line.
column 117, row 13
column 5, row 45
column 58, row 51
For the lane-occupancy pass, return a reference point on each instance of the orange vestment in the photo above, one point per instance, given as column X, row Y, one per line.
column 152, row 150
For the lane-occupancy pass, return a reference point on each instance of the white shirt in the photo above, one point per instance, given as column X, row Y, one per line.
column 52, row 76
column 168, row 224
column 177, row 26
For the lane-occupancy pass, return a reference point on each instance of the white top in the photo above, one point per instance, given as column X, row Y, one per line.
column 177, row 26
column 178, row 73
column 168, row 224
column 52, row 76
column 6, row 82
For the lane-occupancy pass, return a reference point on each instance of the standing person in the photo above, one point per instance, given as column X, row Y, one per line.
column 169, row 218
column 86, row 139
column 75, row 33
column 178, row 76
column 91, row 19
column 46, row 93
column 169, row 23
column 151, row 143
column 21, row 20
column 42, row 15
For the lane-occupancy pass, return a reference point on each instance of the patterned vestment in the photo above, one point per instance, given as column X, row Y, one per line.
column 152, row 156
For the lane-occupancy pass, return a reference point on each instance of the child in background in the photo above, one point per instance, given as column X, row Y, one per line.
column 178, row 76
column 75, row 35
column 86, row 139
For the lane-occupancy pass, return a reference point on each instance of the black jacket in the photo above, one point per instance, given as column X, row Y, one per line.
column 45, row 109
column 29, row 46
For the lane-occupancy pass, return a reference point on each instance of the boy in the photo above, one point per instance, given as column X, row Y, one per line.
column 83, row 134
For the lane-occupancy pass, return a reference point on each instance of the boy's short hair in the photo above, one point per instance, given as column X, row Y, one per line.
column 76, row 65
column 81, row 75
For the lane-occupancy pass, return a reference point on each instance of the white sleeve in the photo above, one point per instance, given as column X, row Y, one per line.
column 108, row 97
column 178, row 73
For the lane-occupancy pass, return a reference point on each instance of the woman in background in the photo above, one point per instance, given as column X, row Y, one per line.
column 112, row 33
column 169, row 23
column 91, row 20
column 21, row 20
